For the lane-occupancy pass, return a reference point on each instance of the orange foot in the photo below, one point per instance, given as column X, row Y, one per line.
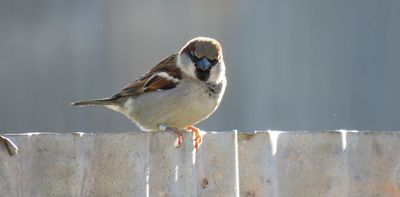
column 179, row 136
column 196, row 136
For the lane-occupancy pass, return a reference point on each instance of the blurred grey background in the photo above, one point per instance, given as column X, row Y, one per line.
column 292, row 65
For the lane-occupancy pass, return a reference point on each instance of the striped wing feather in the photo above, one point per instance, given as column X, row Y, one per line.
column 153, row 80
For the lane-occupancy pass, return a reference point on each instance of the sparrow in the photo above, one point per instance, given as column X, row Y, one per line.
column 179, row 92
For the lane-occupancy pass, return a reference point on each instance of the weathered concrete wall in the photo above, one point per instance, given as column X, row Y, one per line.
column 228, row 164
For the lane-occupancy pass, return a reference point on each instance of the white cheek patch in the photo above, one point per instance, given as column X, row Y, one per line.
column 186, row 65
column 217, row 73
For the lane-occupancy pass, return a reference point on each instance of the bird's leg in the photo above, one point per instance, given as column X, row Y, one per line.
column 178, row 138
column 196, row 136
column 178, row 133
column 11, row 147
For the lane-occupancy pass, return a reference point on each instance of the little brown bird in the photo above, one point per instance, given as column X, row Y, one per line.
column 182, row 90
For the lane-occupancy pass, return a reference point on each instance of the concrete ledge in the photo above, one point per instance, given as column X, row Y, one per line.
column 228, row 164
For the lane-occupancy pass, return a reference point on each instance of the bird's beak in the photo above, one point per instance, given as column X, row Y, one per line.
column 203, row 64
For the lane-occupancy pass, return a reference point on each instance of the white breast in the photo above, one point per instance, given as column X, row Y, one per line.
column 185, row 105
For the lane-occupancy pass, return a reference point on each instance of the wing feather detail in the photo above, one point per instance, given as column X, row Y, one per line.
column 165, row 75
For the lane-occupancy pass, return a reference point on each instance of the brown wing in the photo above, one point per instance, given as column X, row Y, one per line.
column 165, row 75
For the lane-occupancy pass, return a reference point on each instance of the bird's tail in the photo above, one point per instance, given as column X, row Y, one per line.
column 103, row 101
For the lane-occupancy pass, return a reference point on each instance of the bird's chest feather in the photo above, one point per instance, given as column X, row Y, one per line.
column 188, row 103
column 197, row 100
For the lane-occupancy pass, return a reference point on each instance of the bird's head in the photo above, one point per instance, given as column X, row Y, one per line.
column 201, row 58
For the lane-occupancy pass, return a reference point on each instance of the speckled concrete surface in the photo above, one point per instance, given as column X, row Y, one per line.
column 284, row 164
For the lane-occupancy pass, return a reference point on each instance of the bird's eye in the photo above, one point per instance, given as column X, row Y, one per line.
column 193, row 57
column 212, row 61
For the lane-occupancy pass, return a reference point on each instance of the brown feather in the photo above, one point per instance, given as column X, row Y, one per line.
column 203, row 47
column 150, row 82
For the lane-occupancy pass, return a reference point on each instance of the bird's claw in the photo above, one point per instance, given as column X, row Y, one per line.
column 178, row 139
column 197, row 139
column 178, row 133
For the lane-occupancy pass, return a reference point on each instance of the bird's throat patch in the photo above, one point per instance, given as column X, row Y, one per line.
column 214, row 89
column 203, row 75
